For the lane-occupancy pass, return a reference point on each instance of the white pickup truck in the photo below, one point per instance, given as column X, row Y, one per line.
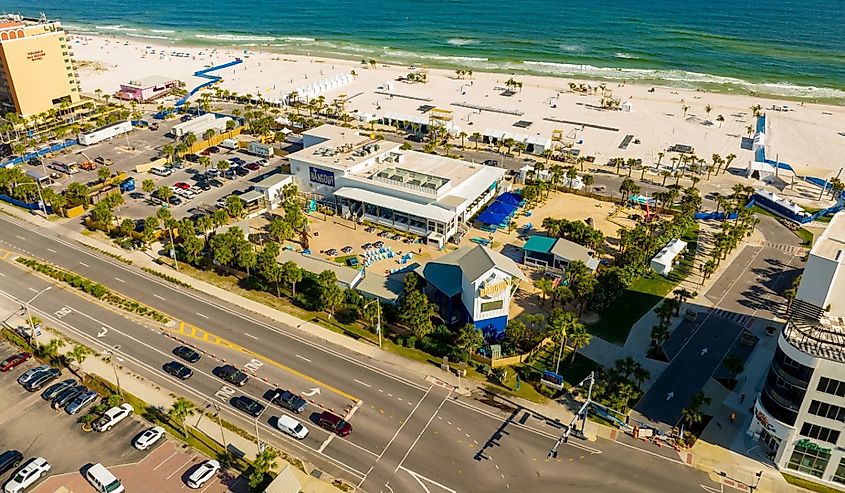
column 112, row 417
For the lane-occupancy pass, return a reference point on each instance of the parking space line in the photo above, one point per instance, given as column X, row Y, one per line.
column 182, row 466
column 165, row 460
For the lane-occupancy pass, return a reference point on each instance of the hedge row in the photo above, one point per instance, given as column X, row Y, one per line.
column 95, row 289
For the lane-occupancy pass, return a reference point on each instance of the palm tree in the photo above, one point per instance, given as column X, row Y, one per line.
column 588, row 180
column 164, row 193
column 264, row 462
column 685, row 108
column 708, row 109
column 462, row 135
column 544, row 285
column 79, row 353
column 578, row 338
column 720, row 119
column 476, row 136
column 659, row 334
column 708, row 268
column 469, row 339
column 559, row 325
column 181, row 409
column 728, row 160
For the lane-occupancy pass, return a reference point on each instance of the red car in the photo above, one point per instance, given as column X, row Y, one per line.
column 182, row 185
column 335, row 424
column 253, row 166
column 13, row 361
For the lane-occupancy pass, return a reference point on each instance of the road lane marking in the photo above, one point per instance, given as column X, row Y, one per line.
column 201, row 315
column 83, row 264
column 303, row 358
column 1, row 274
column 119, row 280
column 250, row 335
column 51, row 250
column 33, row 289
column 414, row 444
column 159, row 297
column 20, row 237
column 362, row 383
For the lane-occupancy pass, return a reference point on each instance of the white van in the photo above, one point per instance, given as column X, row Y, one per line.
column 159, row 171
column 102, row 480
column 292, row 427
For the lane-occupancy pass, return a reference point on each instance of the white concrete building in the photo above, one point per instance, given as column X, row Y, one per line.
column 272, row 187
column 799, row 416
column 376, row 181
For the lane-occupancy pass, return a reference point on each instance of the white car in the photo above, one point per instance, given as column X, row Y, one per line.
column 262, row 162
column 112, row 417
column 25, row 477
column 148, row 438
column 292, row 427
column 203, row 474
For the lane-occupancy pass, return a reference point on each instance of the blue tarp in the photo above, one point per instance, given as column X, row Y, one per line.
column 501, row 208
column 490, row 217
column 510, row 198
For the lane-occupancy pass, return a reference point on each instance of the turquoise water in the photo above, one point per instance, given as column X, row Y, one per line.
column 782, row 47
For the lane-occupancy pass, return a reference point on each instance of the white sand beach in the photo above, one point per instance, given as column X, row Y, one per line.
column 810, row 137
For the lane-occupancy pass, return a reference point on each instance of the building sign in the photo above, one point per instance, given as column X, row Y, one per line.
column 808, row 445
column 35, row 56
column 490, row 290
column 321, row 176
column 766, row 422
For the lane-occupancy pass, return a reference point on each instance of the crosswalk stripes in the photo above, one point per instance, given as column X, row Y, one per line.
column 795, row 250
column 732, row 316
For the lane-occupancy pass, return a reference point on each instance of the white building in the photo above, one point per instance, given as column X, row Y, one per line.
column 200, row 124
column 664, row 261
column 376, row 181
column 104, row 133
column 272, row 187
column 800, row 412
column 473, row 285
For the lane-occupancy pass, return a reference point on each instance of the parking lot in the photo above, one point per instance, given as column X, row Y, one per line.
column 28, row 424
column 143, row 145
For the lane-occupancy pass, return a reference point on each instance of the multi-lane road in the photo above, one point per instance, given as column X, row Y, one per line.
column 411, row 434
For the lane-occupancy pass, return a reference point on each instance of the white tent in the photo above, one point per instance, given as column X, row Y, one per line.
column 663, row 262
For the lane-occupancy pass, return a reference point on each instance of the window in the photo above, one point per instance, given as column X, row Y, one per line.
column 809, row 460
column 819, row 432
column 839, row 475
column 826, row 410
column 492, row 305
column 831, row 386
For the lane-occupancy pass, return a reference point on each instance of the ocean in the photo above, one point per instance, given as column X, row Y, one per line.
column 789, row 48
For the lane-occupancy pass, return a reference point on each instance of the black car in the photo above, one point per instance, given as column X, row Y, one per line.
column 214, row 182
column 248, row 405
column 192, row 158
column 213, row 150
column 178, row 370
column 57, row 388
column 174, row 200
column 491, row 162
column 232, row 375
column 68, row 395
column 203, row 185
column 289, row 400
column 185, row 118
column 187, row 354
column 42, row 379
column 9, row 460
column 241, row 171
column 229, row 173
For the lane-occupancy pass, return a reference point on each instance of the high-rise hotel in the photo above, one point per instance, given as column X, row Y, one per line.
column 36, row 66
column 800, row 413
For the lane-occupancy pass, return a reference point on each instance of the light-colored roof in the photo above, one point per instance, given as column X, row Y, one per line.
column 385, row 288
column 571, row 251
column 251, row 195
column 152, row 80
column 429, row 211
column 272, row 181
column 346, row 276
column 476, row 261
column 669, row 252
column 831, row 243
column 334, row 132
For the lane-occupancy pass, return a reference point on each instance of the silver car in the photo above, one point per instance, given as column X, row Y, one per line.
column 80, row 402
column 32, row 373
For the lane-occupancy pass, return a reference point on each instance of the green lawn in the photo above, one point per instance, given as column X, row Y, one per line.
column 573, row 372
column 806, row 236
column 616, row 321
column 809, row 485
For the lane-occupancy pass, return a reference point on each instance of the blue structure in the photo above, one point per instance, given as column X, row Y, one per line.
column 39, row 153
column 205, row 74
column 501, row 211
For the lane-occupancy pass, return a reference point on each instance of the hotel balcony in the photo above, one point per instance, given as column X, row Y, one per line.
column 823, row 339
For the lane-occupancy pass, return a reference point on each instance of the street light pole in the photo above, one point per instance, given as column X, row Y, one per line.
column 113, row 355
column 29, row 315
column 257, row 438
column 40, row 197
column 581, row 414
column 378, row 318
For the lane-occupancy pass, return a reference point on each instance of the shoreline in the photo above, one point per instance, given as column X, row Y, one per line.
column 311, row 47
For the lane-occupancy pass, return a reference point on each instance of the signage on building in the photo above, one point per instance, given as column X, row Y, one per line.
column 321, row 176
column 34, row 56
column 808, row 445
column 489, row 290
column 762, row 418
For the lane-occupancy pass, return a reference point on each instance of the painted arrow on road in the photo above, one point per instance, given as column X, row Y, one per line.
column 103, row 332
column 704, row 351
column 312, row 392
column 670, row 395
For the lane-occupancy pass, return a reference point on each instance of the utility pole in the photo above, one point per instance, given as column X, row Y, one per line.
column 29, row 315
column 257, row 438
column 112, row 356
column 378, row 318
column 581, row 414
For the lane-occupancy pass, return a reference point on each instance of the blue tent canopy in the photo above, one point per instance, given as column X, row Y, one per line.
column 490, row 217
column 510, row 198
column 501, row 208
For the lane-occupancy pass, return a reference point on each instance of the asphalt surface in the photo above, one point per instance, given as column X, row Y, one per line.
column 409, row 435
column 749, row 292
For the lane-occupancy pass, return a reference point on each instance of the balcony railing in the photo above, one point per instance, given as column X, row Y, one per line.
column 817, row 339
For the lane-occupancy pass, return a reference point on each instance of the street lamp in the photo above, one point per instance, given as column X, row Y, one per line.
column 29, row 315
column 113, row 356
column 581, row 414
column 257, row 438
column 40, row 197
column 378, row 318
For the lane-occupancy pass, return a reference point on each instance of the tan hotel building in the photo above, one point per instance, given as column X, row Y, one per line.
column 36, row 67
